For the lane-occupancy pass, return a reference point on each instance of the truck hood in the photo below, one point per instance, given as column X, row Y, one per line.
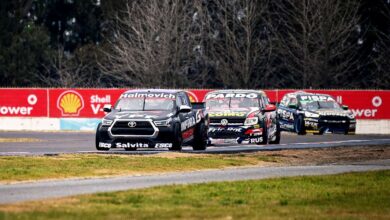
column 155, row 115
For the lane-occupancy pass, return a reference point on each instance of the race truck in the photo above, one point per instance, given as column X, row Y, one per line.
column 243, row 115
column 152, row 118
column 303, row 112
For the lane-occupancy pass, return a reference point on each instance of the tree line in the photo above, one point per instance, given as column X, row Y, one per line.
column 195, row 43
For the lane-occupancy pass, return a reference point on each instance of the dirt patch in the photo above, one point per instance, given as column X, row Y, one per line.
column 338, row 155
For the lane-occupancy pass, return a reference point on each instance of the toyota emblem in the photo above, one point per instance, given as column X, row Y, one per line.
column 224, row 122
column 132, row 124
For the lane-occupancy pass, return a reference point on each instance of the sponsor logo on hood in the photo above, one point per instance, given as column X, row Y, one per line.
column 227, row 114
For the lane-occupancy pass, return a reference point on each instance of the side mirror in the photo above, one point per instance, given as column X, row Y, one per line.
column 184, row 109
column 293, row 106
column 107, row 108
column 270, row 108
column 345, row 107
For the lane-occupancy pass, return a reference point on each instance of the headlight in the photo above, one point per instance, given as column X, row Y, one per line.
column 311, row 115
column 106, row 122
column 163, row 123
column 251, row 121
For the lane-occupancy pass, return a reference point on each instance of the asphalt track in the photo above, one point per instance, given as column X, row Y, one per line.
column 11, row 193
column 83, row 142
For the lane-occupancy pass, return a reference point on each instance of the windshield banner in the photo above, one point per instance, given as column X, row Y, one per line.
column 88, row 103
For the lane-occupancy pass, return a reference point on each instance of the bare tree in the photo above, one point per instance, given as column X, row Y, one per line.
column 242, row 48
column 76, row 70
column 380, row 55
column 317, row 43
column 151, row 45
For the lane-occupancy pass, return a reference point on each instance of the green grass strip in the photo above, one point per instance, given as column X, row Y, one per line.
column 346, row 196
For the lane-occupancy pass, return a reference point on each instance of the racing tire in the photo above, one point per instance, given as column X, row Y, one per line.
column 277, row 135
column 264, row 135
column 177, row 139
column 200, row 137
column 299, row 126
column 98, row 138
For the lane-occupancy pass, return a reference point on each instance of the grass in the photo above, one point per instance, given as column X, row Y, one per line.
column 347, row 196
column 20, row 168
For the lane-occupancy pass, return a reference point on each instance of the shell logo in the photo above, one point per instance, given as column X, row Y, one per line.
column 70, row 103
column 192, row 96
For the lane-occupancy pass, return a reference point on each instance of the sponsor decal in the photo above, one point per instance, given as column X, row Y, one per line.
column 316, row 98
column 163, row 145
column 188, row 123
column 256, row 140
column 232, row 95
column 230, row 129
column 149, row 95
column 188, row 134
column 333, row 114
column 70, row 103
column 227, row 114
column 104, row 145
column 286, row 126
column 132, row 145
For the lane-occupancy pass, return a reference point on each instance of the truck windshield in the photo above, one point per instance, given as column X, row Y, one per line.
column 145, row 104
column 315, row 105
column 227, row 103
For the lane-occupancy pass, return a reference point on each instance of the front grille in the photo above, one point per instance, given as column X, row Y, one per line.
column 142, row 128
column 334, row 122
column 235, row 121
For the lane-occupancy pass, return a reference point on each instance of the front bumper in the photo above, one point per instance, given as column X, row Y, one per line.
column 162, row 139
column 317, row 125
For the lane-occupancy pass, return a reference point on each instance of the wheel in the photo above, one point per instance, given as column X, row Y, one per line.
column 300, row 125
column 98, row 138
column 277, row 134
column 177, row 139
column 200, row 137
column 265, row 133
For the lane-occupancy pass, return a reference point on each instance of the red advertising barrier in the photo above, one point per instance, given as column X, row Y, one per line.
column 81, row 103
column 88, row 103
column 23, row 102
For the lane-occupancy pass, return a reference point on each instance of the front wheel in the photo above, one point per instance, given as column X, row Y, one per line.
column 98, row 139
column 300, row 125
column 265, row 134
column 177, row 138
column 200, row 137
column 277, row 135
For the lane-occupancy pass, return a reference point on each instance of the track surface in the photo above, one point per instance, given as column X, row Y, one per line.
column 52, row 189
column 83, row 142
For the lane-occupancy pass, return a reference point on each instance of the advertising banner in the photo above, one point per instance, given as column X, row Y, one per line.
column 23, row 102
column 81, row 103
column 88, row 103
